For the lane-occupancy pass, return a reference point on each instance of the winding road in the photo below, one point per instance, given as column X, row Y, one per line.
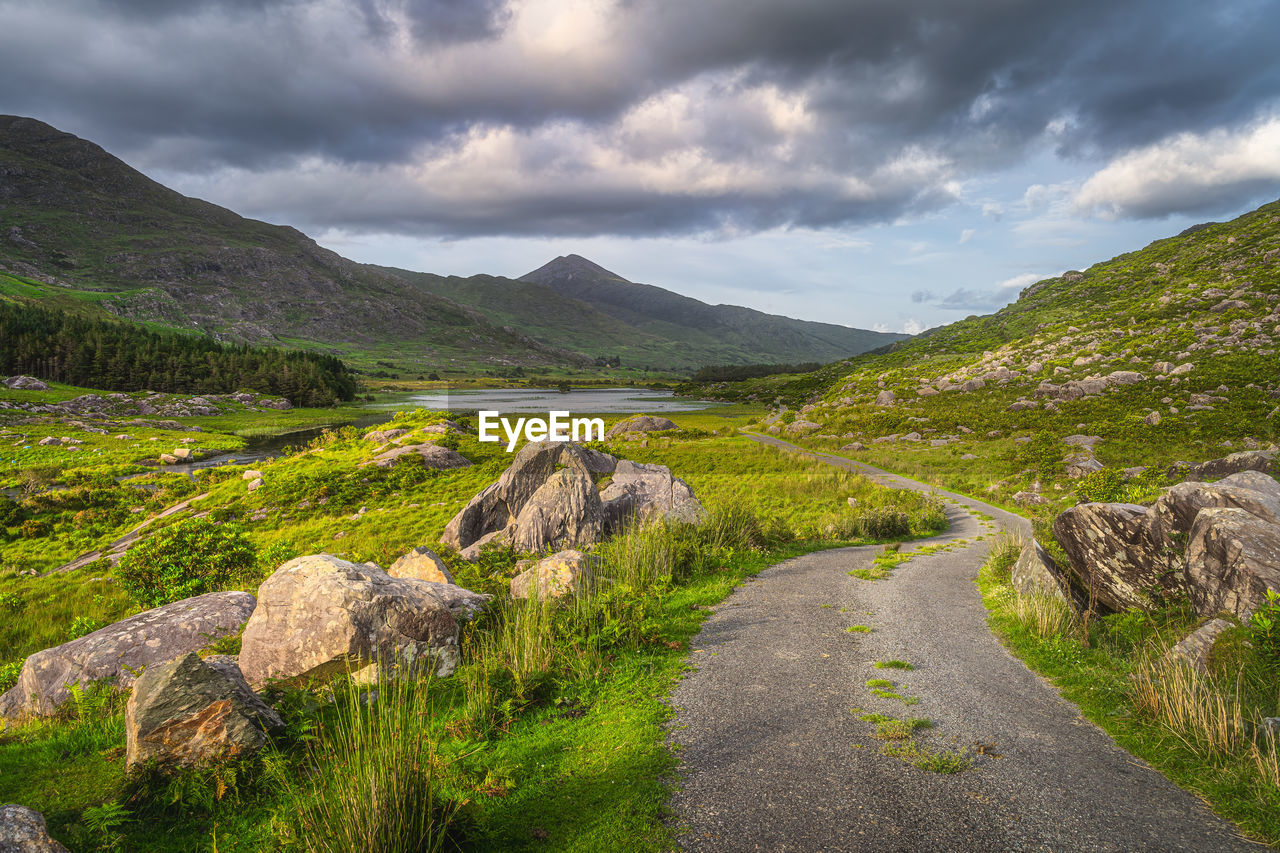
column 773, row 759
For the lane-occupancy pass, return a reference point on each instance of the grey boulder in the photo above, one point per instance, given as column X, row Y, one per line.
column 564, row 573
column 432, row 456
column 640, row 491
column 1113, row 559
column 190, row 712
column 319, row 616
column 1233, row 558
column 640, row 423
column 1036, row 573
column 120, row 650
column 566, row 512
column 23, row 830
column 421, row 564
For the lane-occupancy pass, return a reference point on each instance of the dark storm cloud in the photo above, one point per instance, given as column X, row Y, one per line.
column 463, row 118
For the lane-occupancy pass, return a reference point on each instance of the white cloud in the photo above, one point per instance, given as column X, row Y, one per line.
column 1018, row 282
column 913, row 327
column 1190, row 172
column 966, row 235
column 880, row 327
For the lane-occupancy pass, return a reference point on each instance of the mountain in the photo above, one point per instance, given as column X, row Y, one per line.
column 81, row 229
column 705, row 334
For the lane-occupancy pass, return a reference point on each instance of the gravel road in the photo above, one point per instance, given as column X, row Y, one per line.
column 773, row 758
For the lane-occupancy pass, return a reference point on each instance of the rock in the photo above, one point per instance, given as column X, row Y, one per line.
column 1182, row 369
column 1035, row 367
column 49, row 441
column 1172, row 516
column 497, row 505
column 1246, row 460
column 1029, row 498
column 1086, row 441
column 800, row 427
column 856, row 445
column 320, row 616
column 968, row 457
column 1036, row 573
column 382, row 436
column 926, row 391
column 255, row 484
column 1080, row 465
column 1020, row 405
column 421, row 564
column 23, row 830
column 251, row 474
column 1112, row 557
column 25, row 383
column 642, row 491
column 561, row 574
column 433, row 456
column 120, row 650
column 1229, row 305
column 1233, row 558
column 640, row 423
column 183, row 453
column 189, row 712
column 1124, row 377
column 972, row 385
column 885, row 398
column 1196, row 647
column 1152, row 419
column 168, row 459
column 566, row 511
column 281, row 404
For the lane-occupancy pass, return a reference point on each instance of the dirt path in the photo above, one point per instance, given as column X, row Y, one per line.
column 773, row 759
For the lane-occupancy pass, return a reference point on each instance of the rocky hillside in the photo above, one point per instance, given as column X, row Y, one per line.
column 1162, row 355
column 81, row 229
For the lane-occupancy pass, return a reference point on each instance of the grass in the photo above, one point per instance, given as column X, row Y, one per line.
column 1202, row 730
column 858, row 629
column 894, row 664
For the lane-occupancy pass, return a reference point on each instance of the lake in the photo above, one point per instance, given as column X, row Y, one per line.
column 577, row 401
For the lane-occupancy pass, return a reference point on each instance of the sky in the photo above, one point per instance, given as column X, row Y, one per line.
column 887, row 164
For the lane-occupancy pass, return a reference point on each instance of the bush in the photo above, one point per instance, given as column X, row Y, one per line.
column 189, row 558
column 1264, row 631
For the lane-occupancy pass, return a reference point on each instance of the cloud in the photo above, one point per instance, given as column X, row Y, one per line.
column 974, row 299
column 966, row 235
column 1187, row 173
column 912, row 327
column 457, row 118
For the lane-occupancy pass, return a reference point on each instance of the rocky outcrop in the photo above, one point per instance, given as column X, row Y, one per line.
column 320, row 616
column 25, row 383
column 640, row 423
column 566, row 511
column 565, row 573
column 496, row 507
column 1170, row 519
column 23, row 830
column 1196, row 648
column 1036, row 573
column 432, row 455
column 1266, row 461
column 190, row 712
column 1233, row 558
column 1113, row 558
column 640, row 491
column 121, row 650
column 421, row 564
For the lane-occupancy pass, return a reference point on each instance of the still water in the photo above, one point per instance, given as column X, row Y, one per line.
column 577, row 401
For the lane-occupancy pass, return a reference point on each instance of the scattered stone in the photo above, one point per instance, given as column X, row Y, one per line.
column 255, row 484
column 382, row 436
column 168, row 459
column 190, row 712
column 1029, row 498
column 968, row 457
column 433, row 456
column 1246, row 460
column 251, row 474
column 640, row 423
column 565, row 573
column 886, row 398
column 25, row 383
column 857, row 445
column 1152, row 419
column 1196, row 647
column 320, row 616
column 23, row 830
column 421, row 564
column 119, row 651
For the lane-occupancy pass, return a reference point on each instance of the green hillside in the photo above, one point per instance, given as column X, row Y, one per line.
column 81, row 229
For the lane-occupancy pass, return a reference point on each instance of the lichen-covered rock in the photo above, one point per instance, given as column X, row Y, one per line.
column 1266, row 461
column 496, row 506
column 119, row 651
column 25, row 383
column 1036, row 573
column 1113, row 558
column 885, row 398
column 421, row 564
column 1196, row 647
column 23, row 830
column 189, row 712
column 1170, row 519
column 1233, row 558
column 565, row 512
column 642, row 491
column 564, row 573
column 432, row 455
column 640, row 423
column 320, row 616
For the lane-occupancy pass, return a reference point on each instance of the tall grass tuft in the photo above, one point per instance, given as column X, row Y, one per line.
column 1189, row 704
column 375, row 785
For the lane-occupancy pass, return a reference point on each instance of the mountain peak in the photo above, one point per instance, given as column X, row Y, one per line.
column 571, row 267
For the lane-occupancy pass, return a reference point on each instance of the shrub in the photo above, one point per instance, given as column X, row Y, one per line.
column 1264, row 631
column 9, row 673
column 189, row 558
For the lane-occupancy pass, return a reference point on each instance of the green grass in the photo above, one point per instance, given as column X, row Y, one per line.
column 894, row 664
column 858, row 629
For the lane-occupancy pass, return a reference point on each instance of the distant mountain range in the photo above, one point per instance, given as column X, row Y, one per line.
column 81, row 229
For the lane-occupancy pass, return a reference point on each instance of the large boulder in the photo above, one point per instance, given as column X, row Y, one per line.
column 121, row 650
column 498, row 505
column 1113, row 558
column 421, row 564
column 1037, row 573
column 432, row 456
column 190, row 712
column 565, row 512
column 25, row 383
column 23, row 830
column 640, row 491
column 320, row 616
column 1266, row 461
column 1171, row 518
column 1233, row 558
column 640, row 423
column 561, row 574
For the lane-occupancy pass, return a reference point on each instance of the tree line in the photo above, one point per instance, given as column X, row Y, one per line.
column 739, row 372
column 58, row 346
